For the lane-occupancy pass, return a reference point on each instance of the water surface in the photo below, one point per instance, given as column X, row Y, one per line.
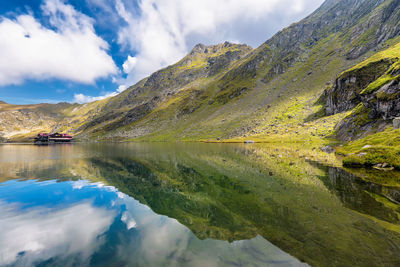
column 189, row 205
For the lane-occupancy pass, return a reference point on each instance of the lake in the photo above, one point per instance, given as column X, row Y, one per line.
column 190, row 204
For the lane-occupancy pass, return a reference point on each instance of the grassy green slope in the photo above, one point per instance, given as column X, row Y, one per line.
column 180, row 85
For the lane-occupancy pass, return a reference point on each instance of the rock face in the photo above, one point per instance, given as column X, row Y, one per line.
column 345, row 93
column 385, row 102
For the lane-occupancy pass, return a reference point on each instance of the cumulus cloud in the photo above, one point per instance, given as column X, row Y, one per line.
column 69, row 49
column 162, row 31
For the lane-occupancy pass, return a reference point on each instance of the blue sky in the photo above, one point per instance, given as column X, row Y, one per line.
column 82, row 50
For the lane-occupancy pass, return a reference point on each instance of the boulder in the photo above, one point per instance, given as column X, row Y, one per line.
column 327, row 149
column 396, row 123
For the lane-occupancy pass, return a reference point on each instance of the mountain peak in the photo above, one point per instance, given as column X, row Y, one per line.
column 212, row 49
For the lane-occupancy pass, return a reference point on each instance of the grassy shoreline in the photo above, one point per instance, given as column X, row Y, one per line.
column 374, row 150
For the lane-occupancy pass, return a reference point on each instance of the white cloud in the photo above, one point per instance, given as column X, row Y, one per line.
column 81, row 98
column 129, row 64
column 128, row 220
column 69, row 50
column 165, row 30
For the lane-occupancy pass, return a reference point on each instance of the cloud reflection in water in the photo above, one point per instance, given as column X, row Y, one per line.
column 41, row 233
column 81, row 223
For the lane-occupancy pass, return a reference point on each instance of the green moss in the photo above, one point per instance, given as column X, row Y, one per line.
column 377, row 84
column 362, row 115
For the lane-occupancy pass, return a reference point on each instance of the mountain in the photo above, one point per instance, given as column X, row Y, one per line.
column 20, row 122
column 213, row 93
column 321, row 77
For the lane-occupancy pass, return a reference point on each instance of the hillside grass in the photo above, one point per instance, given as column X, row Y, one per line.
column 379, row 148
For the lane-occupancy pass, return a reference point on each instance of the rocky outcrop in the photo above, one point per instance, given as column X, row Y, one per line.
column 371, row 92
column 385, row 102
column 345, row 93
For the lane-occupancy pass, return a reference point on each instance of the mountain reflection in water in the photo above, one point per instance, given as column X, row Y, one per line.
column 188, row 204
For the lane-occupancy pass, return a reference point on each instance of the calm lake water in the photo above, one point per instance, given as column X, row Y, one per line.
column 189, row 205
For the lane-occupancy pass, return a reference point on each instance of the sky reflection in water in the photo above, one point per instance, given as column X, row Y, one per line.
column 82, row 223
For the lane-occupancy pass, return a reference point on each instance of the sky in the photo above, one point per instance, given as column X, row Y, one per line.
column 84, row 50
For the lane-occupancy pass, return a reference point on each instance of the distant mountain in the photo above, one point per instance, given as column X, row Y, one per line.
column 21, row 122
column 304, row 81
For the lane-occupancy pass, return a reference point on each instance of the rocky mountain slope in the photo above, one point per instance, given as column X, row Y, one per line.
column 317, row 78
